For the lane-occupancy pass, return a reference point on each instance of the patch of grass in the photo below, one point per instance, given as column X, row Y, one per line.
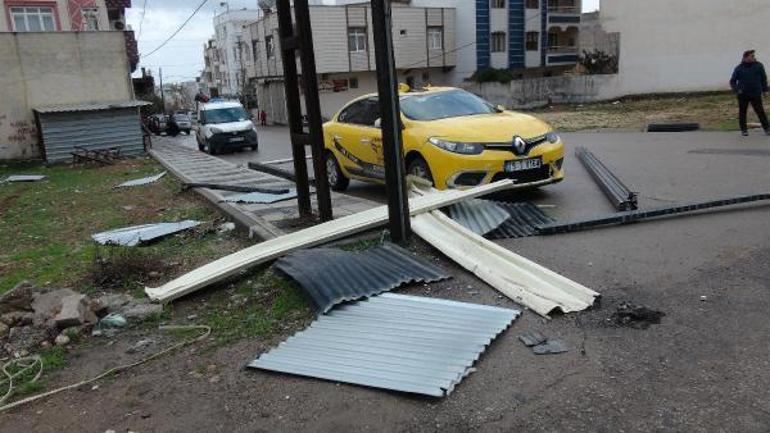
column 365, row 244
column 260, row 303
column 54, row 358
column 716, row 111
column 45, row 227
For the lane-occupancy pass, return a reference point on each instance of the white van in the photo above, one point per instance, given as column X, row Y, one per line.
column 223, row 126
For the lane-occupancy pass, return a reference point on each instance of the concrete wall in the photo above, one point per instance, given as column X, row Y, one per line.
column 684, row 45
column 593, row 37
column 43, row 69
column 537, row 92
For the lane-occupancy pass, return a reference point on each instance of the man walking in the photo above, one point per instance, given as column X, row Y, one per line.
column 749, row 82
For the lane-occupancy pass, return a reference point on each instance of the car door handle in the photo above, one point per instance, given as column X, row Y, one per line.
column 366, row 141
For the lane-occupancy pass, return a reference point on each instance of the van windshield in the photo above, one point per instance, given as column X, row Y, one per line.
column 225, row 115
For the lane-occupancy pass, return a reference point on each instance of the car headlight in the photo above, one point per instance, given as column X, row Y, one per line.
column 216, row 131
column 457, row 147
column 552, row 137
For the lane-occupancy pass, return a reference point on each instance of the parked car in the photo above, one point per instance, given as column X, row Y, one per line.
column 183, row 122
column 223, row 126
column 451, row 137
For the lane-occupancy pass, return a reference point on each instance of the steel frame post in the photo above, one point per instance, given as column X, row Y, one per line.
column 390, row 115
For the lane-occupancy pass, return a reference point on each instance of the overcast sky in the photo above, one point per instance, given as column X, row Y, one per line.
column 182, row 57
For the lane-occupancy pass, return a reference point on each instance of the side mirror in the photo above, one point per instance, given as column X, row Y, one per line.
column 500, row 108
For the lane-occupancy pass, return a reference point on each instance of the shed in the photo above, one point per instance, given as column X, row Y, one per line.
column 90, row 126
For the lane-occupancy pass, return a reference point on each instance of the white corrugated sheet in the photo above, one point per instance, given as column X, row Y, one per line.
column 396, row 342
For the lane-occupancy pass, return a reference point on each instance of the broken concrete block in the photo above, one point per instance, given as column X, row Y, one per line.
column 139, row 311
column 98, row 307
column 17, row 299
column 532, row 338
column 17, row 318
column 26, row 338
column 74, row 312
column 552, row 347
column 47, row 305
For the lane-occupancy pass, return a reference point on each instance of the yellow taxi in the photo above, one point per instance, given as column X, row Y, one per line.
column 451, row 137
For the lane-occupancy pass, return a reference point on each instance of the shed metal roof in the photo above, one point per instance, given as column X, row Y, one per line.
column 71, row 108
column 396, row 342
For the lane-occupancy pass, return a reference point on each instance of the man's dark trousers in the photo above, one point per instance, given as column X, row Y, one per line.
column 743, row 108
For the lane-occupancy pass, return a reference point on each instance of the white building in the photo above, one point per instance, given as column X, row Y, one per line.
column 684, row 45
column 228, row 37
column 516, row 34
column 423, row 39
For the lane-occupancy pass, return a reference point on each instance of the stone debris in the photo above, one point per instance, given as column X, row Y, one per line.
column 74, row 311
column 551, row 347
column 18, row 298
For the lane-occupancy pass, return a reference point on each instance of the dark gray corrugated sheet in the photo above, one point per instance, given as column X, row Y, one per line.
column 91, row 130
column 396, row 342
column 524, row 219
column 478, row 216
column 331, row 276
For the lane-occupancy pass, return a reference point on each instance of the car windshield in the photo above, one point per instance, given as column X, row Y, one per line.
column 443, row 105
column 226, row 115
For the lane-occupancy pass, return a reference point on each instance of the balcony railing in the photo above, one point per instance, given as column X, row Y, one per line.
column 564, row 10
column 564, row 49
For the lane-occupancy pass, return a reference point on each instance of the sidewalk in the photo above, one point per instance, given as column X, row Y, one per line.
column 263, row 221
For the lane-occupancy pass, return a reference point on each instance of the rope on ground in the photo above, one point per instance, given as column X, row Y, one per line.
column 30, row 362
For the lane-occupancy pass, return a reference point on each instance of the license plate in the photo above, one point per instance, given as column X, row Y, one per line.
column 522, row 164
column 237, row 139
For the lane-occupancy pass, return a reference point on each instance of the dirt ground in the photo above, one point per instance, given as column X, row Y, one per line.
column 703, row 369
column 714, row 112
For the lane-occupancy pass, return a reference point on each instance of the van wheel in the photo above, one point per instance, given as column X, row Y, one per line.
column 419, row 167
column 337, row 180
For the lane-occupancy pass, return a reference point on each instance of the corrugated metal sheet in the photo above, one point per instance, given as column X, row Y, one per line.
column 524, row 218
column 261, row 197
column 71, row 108
column 132, row 236
column 93, row 130
column 332, row 276
column 23, row 178
column 479, row 216
column 396, row 342
column 142, row 181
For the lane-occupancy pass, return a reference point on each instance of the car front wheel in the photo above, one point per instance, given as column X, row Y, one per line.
column 337, row 180
column 419, row 167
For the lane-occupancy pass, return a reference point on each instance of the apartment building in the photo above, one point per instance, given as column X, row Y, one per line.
column 516, row 34
column 211, row 76
column 228, row 38
column 423, row 39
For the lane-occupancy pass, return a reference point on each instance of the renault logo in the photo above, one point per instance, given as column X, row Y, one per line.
column 519, row 145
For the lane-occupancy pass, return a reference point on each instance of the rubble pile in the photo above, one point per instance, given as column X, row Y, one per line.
column 32, row 318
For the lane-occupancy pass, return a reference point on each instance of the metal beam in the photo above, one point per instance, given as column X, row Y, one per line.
column 638, row 215
column 390, row 115
column 313, row 107
column 294, row 110
column 616, row 191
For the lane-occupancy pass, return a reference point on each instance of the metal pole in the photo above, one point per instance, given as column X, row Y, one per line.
column 313, row 108
column 390, row 115
column 294, row 111
column 162, row 95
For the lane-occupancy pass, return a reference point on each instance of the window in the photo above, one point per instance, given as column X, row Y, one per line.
column 497, row 4
column 357, row 39
column 269, row 47
column 29, row 19
column 435, row 38
column 363, row 112
column 90, row 19
column 353, row 83
column 532, row 4
column 533, row 41
column 497, row 42
column 255, row 49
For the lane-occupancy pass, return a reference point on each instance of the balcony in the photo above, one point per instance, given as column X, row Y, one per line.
column 564, row 12
column 562, row 55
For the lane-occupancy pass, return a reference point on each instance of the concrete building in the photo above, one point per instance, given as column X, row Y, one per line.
column 423, row 37
column 228, row 30
column 59, row 52
column 684, row 45
column 211, row 77
column 516, row 34
column 595, row 38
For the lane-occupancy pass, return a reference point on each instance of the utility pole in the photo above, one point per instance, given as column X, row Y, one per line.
column 162, row 96
column 390, row 115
